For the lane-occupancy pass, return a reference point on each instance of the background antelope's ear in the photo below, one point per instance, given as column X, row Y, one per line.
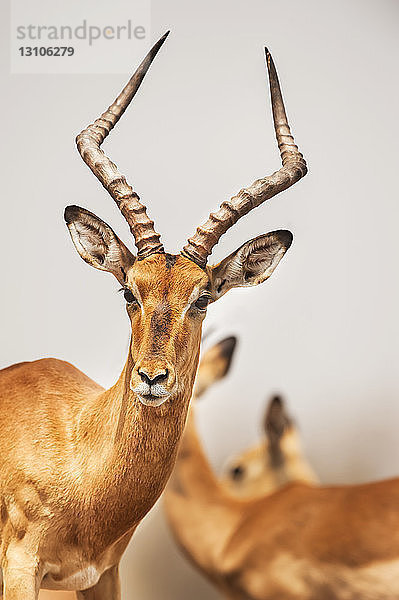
column 252, row 263
column 276, row 423
column 97, row 244
column 215, row 364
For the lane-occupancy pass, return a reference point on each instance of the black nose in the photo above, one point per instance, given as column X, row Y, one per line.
column 160, row 378
column 237, row 472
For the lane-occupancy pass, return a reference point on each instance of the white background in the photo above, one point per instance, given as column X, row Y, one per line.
column 324, row 330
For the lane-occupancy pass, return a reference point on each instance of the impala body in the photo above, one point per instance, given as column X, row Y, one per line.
column 266, row 531
column 80, row 466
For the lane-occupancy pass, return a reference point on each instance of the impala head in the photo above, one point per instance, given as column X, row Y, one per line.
column 277, row 460
column 167, row 295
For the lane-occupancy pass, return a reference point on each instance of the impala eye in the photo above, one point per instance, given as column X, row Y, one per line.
column 202, row 302
column 129, row 296
column 237, row 473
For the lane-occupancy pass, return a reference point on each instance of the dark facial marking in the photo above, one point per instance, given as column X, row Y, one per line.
column 170, row 260
column 160, row 324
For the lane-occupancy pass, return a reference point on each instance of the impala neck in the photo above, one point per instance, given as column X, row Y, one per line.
column 133, row 448
column 193, row 477
column 201, row 514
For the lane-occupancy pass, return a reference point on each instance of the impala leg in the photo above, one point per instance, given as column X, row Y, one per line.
column 107, row 588
column 20, row 580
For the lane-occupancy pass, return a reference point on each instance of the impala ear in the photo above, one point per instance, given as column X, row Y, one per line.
column 276, row 424
column 252, row 263
column 215, row 364
column 97, row 244
column 276, row 418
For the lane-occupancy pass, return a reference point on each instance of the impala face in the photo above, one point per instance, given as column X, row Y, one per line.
column 251, row 473
column 167, row 298
column 278, row 459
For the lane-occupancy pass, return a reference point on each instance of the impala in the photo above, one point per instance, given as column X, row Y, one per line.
column 81, row 466
column 276, row 460
column 266, row 531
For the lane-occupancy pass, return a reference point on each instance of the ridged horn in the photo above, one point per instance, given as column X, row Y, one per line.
column 199, row 247
column 89, row 142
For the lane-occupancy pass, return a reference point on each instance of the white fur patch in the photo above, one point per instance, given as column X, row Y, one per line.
column 80, row 580
column 193, row 297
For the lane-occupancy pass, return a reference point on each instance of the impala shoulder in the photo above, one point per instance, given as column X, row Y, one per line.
column 50, row 373
column 58, row 367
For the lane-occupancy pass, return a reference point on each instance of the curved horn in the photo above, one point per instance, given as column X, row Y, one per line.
column 199, row 247
column 89, row 142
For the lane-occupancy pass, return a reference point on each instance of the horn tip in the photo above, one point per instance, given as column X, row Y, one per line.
column 269, row 58
column 159, row 43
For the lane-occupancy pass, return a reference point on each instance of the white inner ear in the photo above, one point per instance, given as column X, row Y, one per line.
column 98, row 245
column 250, row 265
column 258, row 262
column 89, row 243
column 93, row 244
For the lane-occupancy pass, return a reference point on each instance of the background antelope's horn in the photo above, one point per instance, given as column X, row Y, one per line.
column 199, row 247
column 89, row 142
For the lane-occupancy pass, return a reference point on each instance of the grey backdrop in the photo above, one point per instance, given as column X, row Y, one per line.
column 324, row 330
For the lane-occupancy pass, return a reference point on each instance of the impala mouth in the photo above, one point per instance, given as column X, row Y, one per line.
column 152, row 399
column 151, row 395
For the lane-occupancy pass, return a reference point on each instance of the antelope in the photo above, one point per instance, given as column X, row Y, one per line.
column 266, row 531
column 275, row 461
column 80, row 465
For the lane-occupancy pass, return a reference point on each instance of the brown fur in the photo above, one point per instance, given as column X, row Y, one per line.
column 72, row 491
column 300, row 542
column 81, row 466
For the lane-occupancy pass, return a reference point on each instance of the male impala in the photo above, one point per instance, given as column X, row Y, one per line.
column 81, row 466
column 275, row 535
